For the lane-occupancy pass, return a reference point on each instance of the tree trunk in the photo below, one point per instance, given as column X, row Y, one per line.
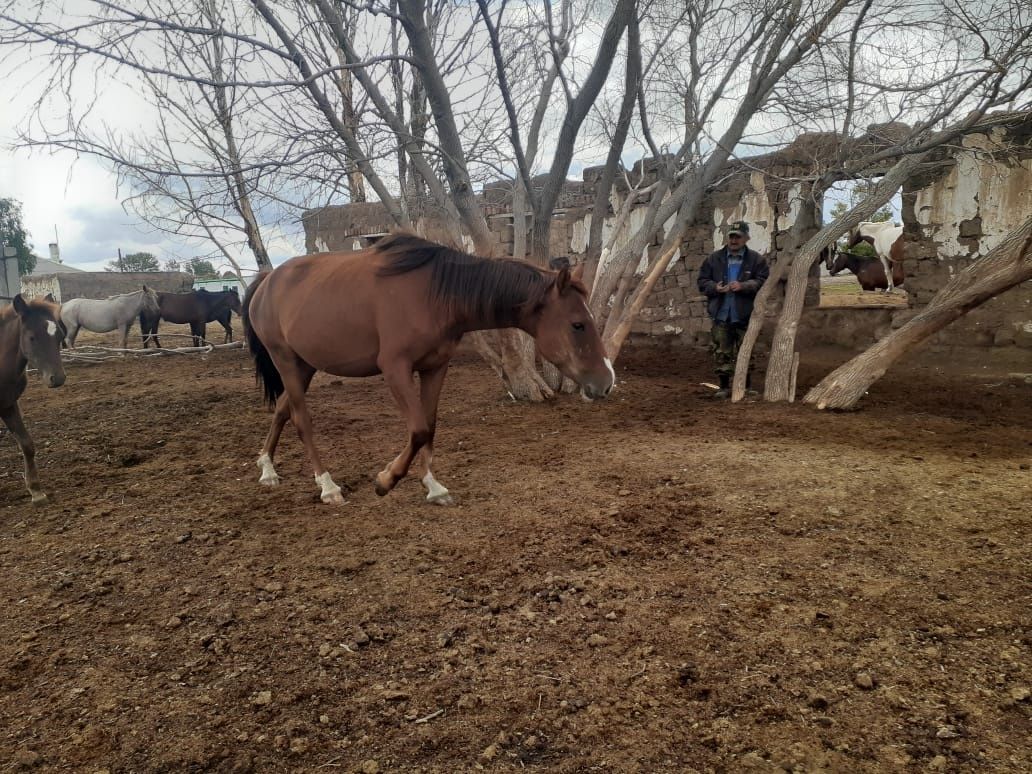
column 520, row 221
column 577, row 110
column 604, row 185
column 805, row 223
column 1003, row 267
column 623, row 328
column 777, row 384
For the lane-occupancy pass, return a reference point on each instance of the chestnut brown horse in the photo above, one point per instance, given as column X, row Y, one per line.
column 30, row 333
column 196, row 308
column 400, row 307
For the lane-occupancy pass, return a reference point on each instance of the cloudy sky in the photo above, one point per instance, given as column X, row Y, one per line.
column 79, row 197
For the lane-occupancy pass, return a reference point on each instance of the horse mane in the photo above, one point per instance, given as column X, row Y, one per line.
column 494, row 290
column 120, row 295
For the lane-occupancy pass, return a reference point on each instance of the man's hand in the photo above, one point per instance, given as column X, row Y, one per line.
column 721, row 287
column 735, row 286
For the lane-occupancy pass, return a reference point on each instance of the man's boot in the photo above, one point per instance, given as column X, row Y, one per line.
column 725, row 388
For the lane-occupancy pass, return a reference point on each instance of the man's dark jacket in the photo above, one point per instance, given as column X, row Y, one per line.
column 753, row 274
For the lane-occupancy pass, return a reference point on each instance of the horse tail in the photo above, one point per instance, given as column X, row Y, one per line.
column 265, row 371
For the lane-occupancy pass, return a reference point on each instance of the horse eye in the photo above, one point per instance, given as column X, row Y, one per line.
column 578, row 327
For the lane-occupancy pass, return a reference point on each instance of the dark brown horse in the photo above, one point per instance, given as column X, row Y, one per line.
column 397, row 308
column 30, row 333
column 870, row 272
column 195, row 307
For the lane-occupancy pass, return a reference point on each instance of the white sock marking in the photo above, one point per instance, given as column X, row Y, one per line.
column 330, row 491
column 435, row 490
column 269, row 477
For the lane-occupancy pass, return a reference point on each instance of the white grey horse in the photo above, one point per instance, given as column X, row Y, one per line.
column 101, row 316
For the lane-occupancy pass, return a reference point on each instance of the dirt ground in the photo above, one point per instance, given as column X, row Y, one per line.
column 654, row 583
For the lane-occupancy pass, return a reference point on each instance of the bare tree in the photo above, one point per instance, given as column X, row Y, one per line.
column 772, row 42
column 958, row 79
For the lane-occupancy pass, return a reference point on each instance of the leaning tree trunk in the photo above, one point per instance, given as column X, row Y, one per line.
column 1003, row 267
column 622, row 330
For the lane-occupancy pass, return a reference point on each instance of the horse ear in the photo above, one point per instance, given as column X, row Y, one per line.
column 578, row 271
column 562, row 281
column 50, row 297
column 20, row 306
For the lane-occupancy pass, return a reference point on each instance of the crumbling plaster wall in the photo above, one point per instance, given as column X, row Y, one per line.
column 961, row 214
column 952, row 214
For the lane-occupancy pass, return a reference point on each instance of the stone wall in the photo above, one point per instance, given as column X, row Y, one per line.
column 101, row 284
column 952, row 214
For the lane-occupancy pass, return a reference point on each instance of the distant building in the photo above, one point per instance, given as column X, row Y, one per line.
column 215, row 284
column 47, row 266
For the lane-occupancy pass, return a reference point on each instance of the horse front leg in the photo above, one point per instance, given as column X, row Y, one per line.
column 297, row 376
column 72, row 332
column 398, row 375
column 430, row 384
column 280, row 416
column 13, row 419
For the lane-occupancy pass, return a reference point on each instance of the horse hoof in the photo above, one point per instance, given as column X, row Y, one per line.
column 39, row 499
column 383, row 483
column 272, row 480
column 333, row 498
column 445, row 499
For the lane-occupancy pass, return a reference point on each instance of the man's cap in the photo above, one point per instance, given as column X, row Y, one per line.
column 738, row 227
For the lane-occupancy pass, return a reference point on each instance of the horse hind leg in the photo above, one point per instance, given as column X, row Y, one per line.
column 13, row 419
column 888, row 274
column 297, row 376
column 399, row 378
column 430, row 383
column 436, row 492
column 280, row 416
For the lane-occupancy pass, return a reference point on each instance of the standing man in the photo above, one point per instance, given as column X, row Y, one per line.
column 730, row 278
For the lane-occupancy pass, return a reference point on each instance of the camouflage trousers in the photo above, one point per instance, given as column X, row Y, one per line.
column 726, row 339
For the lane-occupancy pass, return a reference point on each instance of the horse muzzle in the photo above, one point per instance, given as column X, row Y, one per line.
column 599, row 385
column 595, row 393
column 55, row 379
